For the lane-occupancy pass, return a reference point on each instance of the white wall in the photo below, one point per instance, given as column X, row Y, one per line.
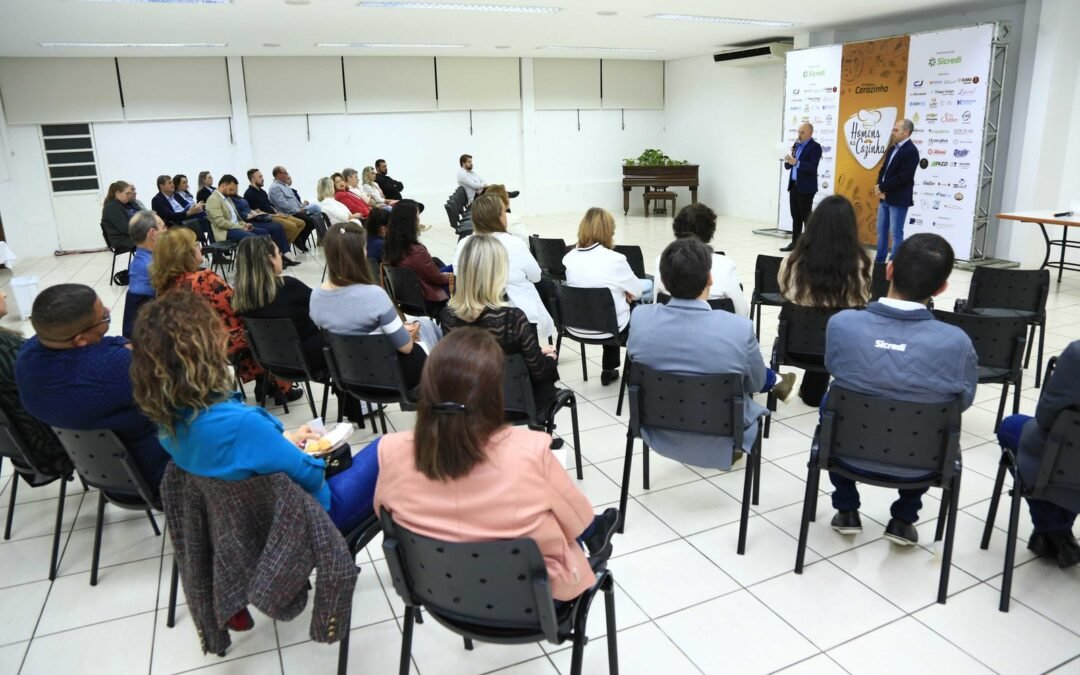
column 728, row 120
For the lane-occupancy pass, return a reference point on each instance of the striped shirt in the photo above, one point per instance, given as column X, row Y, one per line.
column 359, row 309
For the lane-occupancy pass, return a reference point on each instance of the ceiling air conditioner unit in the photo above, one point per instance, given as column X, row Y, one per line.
column 754, row 55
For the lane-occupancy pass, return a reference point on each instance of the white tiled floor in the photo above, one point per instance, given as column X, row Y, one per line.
column 686, row 602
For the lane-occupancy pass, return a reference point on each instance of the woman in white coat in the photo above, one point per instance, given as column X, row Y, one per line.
column 337, row 212
column 489, row 217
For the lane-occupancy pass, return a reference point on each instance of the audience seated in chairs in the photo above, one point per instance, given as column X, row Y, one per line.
column 478, row 301
column 371, row 188
column 206, row 186
column 228, row 225
column 45, row 451
column 71, row 375
column 504, row 482
column 514, row 224
column 896, row 349
column 333, row 208
column 183, row 383
column 352, row 185
column 350, row 302
column 257, row 198
column 172, row 208
column 176, row 265
column 287, row 201
column 145, row 228
column 391, row 188
column 283, row 232
column 1026, row 436
column 698, row 220
column 116, row 213
column 829, row 268
column 403, row 249
column 489, row 217
column 375, row 227
column 355, row 201
column 592, row 264
column 709, row 343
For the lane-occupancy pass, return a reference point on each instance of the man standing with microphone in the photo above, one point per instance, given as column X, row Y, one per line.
column 895, row 184
column 802, row 184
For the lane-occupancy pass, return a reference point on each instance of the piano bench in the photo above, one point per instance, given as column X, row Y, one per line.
column 661, row 197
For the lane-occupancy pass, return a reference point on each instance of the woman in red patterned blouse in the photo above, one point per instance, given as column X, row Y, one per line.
column 351, row 201
column 177, row 264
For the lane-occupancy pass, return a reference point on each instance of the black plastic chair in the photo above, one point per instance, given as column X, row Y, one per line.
column 800, row 343
column 766, row 289
column 15, row 448
column 890, row 444
column 1009, row 293
column 520, row 406
column 404, row 288
column 590, row 309
column 495, row 591
column 221, row 255
column 999, row 346
column 722, row 304
column 374, row 266
column 366, row 367
column 549, row 256
column 104, row 463
column 277, row 347
column 635, row 259
column 703, row 404
column 879, row 285
column 116, row 252
column 1058, row 482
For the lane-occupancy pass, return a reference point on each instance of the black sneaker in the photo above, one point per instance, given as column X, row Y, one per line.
column 609, row 376
column 1068, row 551
column 789, row 248
column 556, row 443
column 599, row 542
column 847, row 522
column 899, row 532
column 286, row 262
column 294, row 394
column 1042, row 545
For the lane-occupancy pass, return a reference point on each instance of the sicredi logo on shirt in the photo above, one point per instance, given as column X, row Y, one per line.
column 881, row 344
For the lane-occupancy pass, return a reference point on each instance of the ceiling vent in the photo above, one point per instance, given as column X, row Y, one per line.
column 754, row 55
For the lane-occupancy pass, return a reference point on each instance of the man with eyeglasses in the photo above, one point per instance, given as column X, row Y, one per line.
column 71, row 375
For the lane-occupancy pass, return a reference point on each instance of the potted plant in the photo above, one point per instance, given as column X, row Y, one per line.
column 653, row 157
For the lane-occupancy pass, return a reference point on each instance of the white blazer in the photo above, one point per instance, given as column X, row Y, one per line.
column 338, row 212
column 516, row 227
column 523, row 274
column 599, row 267
column 725, row 283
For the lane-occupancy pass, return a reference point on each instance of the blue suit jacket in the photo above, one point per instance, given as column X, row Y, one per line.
column 898, row 182
column 806, row 175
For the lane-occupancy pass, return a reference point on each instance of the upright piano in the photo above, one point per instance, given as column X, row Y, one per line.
column 659, row 176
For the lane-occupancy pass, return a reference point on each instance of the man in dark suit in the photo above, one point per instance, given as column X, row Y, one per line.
column 895, row 183
column 802, row 164
column 174, row 211
column 391, row 188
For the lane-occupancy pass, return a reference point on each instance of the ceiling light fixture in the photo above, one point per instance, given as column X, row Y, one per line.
column 721, row 19
column 136, row 45
column 458, row 7
column 615, row 50
column 386, row 45
column 169, row 2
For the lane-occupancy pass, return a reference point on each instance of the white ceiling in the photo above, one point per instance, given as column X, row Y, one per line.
column 246, row 25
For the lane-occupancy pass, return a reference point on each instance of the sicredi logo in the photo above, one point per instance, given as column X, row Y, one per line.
column 813, row 72
column 882, row 344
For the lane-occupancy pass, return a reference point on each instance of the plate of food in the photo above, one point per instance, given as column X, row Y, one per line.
column 333, row 438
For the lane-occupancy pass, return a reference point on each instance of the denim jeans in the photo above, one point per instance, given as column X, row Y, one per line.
column 889, row 217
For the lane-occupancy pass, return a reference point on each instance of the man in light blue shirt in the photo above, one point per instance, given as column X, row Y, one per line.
column 145, row 229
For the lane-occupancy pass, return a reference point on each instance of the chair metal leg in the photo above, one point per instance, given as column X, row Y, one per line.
column 624, row 489
column 812, row 478
column 942, row 512
column 756, row 459
column 622, row 383
column 577, row 436
column 991, row 515
column 97, row 539
column 174, row 583
column 419, row 615
column 577, row 652
column 612, row 631
column 950, row 532
column 644, row 465
column 343, row 654
column 382, row 418
column 584, row 367
column 1038, row 364
column 1010, row 549
column 748, row 488
column 468, row 644
column 153, row 522
column 11, row 505
column 325, row 400
column 54, row 562
column 310, row 399
column 1017, row 386
column 406, row 643
column 1030, row 344
column 757, row 329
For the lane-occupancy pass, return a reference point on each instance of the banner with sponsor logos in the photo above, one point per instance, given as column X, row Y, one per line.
column 937, row 80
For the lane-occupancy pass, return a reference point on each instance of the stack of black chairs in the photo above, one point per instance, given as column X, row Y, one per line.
column 457, row 212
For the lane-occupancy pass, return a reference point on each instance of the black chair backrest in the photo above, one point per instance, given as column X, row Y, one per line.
column 801, row 330
column 898, row 433
column 452, row 214
column 14, row 446
column 879, row 285
column 493, row 584
column 549, row 255
column 634, row 258
column 723, row 304
column 404, row 286
column 766, row 274
column 704, row 404
column 587, row 309
column 276, row 345
column 105, row 463
column 518, row 401
column 999, row 342
column 373, row 267
column 1009, row 289
column 365, row 364
column 1060, row 466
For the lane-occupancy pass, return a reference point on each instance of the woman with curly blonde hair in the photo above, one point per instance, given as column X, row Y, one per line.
column 181, row 381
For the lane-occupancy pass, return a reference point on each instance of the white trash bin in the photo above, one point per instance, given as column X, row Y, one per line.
column 25, row 290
